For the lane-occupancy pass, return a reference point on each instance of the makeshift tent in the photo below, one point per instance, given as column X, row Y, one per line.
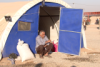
column 56, row 18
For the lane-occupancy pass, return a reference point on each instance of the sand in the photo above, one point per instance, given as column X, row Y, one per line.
column 9, row 8
column 93, row 19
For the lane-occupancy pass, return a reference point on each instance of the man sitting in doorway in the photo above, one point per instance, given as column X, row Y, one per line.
column 43, row 45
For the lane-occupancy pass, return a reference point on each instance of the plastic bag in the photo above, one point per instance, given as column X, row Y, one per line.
column 24, row 51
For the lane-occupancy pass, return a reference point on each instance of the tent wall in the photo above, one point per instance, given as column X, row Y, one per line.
column 32, row 16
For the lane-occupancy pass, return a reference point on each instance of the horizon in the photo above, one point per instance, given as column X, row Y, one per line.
column 87, row 6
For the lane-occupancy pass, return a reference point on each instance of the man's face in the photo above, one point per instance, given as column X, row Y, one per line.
column 42, row 34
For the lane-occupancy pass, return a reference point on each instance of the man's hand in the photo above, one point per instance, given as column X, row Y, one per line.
column 49, row 41
column 45, row 45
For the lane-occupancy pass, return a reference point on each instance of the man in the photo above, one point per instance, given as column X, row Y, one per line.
column 99, row 23
column 43, row 44
column 84, row 24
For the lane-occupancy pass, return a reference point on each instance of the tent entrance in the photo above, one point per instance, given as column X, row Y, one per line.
column 49, row 21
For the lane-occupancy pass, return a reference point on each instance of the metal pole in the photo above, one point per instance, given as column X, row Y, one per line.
column 43, row 3
column 73, row 5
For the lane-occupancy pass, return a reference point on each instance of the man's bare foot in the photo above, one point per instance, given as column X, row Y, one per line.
column 41, row 56
column 48, row 56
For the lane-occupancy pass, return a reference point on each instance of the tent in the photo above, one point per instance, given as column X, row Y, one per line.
column 56, row 18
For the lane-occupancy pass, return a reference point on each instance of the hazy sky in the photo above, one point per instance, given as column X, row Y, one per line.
column 86, row 5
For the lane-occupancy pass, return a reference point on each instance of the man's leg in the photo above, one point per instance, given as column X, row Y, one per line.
column 48, row 48
column 84, row 27
column 40, row 50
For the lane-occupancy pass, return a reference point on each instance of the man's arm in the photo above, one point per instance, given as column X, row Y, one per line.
column 47, row 40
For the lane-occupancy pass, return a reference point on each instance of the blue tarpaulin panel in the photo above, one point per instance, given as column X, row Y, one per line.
column 70, row 31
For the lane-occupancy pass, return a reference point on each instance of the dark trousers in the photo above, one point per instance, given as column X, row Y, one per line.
column 84, row 27
column 43, row 50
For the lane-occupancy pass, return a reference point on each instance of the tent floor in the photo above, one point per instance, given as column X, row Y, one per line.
column 58, row 59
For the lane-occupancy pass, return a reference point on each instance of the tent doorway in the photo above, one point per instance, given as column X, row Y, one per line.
column 49, row 21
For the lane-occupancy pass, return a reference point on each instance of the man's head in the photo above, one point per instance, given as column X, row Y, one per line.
column 42, row 33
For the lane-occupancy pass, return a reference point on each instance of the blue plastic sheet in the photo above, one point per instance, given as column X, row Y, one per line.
column 70, row 31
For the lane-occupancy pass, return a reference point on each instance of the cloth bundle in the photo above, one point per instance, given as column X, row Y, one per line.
column 24, row 51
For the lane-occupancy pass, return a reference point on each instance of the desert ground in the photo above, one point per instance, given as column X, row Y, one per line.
column 10, row 9
column 89, row 57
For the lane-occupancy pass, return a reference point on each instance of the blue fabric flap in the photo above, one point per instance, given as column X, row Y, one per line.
column 70, row 31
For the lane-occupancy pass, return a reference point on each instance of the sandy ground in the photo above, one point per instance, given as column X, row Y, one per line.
column 9, row 8
column 93, row 19
column 87, row 58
